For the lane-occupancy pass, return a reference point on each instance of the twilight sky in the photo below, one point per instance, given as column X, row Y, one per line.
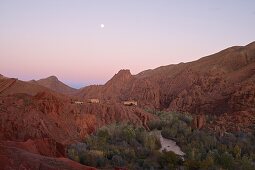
column 65, row 38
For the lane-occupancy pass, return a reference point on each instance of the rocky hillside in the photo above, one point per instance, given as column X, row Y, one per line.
column 35, row 129
column 219, row 83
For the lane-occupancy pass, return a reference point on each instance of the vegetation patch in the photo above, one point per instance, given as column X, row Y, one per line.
column 124, row 145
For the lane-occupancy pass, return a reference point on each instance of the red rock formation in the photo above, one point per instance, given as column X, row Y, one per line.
column 45, row 123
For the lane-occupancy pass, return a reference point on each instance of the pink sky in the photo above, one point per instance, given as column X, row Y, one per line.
column 64, row 38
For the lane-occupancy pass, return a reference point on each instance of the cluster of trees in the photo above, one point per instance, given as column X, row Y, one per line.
column 124, row 145
column 205, row 149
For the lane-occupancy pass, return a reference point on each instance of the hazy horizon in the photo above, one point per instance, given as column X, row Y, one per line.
column 65, row 38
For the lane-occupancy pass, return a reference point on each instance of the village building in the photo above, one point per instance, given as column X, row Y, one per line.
column 93, row 100
column 78, row 102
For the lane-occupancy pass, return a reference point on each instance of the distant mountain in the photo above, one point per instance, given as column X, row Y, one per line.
column 9, row 86
column 222, row 82
column 54, row 84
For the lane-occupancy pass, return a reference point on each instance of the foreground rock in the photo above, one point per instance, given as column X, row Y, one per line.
column 12, row 157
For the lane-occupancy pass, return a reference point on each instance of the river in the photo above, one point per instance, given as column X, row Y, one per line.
column 169, row 145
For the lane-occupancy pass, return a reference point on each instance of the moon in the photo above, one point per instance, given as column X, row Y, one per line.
column 102, row 25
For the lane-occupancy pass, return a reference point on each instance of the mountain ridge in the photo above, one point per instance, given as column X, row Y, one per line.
column 185, row 86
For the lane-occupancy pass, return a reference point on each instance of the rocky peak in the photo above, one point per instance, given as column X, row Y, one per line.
column 121, row 76
column 123, row 73
column 52, row 78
